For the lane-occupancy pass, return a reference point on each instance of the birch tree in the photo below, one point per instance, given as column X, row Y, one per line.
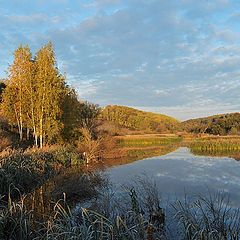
column 33, row 98
column 50, row 86
column 14, row 96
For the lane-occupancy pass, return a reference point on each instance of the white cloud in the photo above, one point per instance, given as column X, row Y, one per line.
column 168, row 54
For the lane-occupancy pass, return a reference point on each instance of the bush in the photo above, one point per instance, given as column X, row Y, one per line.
column 89, row 147
column 67, row 156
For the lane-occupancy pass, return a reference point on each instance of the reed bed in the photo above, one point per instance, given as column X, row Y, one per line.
column 135, row 215
column 218, row 145
column 209, row 218
column 148, row 141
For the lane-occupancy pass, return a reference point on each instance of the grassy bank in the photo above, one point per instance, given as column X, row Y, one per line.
column 216, row 145
column 130, row 148
column 147, row 141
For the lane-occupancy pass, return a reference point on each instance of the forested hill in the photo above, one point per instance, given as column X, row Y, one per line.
column 218, row 125
column 139, row 120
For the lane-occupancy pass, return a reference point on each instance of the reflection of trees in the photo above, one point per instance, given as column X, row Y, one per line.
column 74, row 185
column 39, row 201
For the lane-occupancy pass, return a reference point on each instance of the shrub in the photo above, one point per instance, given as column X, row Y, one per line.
column 89, row 147
column 67, row 156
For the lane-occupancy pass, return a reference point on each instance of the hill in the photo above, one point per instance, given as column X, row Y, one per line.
column 223, row 124
column 137, row 120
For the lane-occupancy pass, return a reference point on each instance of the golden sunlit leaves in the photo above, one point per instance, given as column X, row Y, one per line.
column 32, row 98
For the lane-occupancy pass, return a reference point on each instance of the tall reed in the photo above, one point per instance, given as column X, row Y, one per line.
column 208, row 217
column 136, row 215
column 218, row 145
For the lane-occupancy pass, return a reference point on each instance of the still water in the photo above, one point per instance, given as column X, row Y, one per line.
column 181, row 172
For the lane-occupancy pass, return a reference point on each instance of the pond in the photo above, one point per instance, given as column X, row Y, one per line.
column 181, row 172
column 176, row 171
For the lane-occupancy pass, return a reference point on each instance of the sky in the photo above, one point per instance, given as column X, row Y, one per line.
column 178, row 57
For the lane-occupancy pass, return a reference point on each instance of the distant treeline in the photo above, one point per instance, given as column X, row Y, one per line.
column 139, row 120
column 136, row 120
column 224, row 124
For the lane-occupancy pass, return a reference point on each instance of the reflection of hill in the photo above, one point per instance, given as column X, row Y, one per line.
column 134, row 154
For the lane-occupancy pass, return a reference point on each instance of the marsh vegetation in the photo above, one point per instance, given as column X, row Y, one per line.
column 137, row 214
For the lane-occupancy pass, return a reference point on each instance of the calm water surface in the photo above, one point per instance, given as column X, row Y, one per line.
column 176, row 174
column 181, row 172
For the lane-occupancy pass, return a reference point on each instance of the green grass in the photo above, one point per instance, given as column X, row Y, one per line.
column 147, row 141
column 150, row 152
column 216, row 145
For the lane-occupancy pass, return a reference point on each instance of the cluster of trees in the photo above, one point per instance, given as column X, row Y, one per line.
column 36, row 99
column 223, row 124
column 139, row 120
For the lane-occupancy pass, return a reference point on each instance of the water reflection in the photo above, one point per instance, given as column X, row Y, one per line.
column 73, row 186
column 135, row 154
column 182, row 172
column 176, row 171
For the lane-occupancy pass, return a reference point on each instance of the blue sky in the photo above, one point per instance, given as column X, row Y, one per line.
column 179, row 57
